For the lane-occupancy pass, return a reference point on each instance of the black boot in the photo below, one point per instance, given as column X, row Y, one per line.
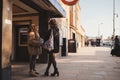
column 46, row 73
column 55, row 73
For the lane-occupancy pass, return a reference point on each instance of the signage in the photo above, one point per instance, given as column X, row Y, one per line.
column 69, row 2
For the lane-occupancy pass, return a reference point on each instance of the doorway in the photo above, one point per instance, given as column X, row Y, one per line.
column 20, row 33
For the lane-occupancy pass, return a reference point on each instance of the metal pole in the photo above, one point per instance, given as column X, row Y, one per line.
column 99, row 25
column 98, row 30
column 113, row 19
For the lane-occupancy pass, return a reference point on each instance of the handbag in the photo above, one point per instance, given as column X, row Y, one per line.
column 41, row 40
column 49, row 44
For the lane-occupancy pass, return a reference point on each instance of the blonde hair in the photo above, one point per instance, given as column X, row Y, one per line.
column 32, row 27
column 52, row 22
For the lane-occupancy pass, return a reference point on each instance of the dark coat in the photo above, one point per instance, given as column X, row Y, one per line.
column 116, row 41
column 55, row 37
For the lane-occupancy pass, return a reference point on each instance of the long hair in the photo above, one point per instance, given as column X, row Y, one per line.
column 53, row 23
column 32, row 27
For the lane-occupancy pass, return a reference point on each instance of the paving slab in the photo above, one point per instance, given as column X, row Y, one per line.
column 89, row 63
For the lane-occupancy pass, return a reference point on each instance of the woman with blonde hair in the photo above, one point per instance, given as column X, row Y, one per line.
column 54, row 28
column 33, row 48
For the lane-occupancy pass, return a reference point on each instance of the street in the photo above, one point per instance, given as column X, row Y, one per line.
column 89, row 63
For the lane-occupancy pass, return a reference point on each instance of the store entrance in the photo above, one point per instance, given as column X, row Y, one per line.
column 20, row 42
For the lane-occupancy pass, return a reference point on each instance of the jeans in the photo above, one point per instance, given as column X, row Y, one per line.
column 32, row 62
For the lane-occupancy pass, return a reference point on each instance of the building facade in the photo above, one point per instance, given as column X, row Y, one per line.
column 17, row 15
column 72, row 34
column 76, row 31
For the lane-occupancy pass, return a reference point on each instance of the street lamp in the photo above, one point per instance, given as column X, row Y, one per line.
column 99, row 29
column 113, row 19
column 115, row 15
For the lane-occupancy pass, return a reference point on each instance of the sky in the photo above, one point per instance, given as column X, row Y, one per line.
column 97, row 17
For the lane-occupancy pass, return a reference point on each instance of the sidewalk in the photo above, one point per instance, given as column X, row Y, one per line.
column 90, row 63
